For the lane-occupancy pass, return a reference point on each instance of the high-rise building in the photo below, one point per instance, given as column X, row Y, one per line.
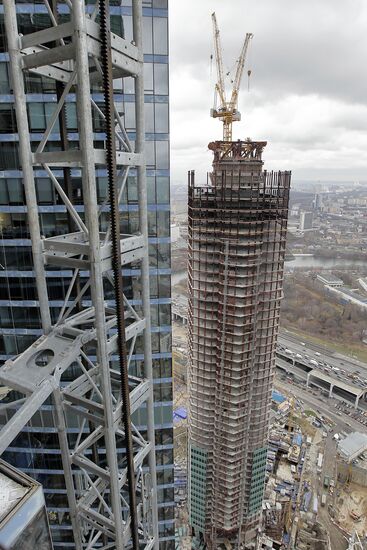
column 237, row 233
column 318, row 202
column 36, row 450
column 305, row 221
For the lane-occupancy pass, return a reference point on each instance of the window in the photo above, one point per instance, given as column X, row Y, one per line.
column 149, row 117
column 36, row 116
column 161, row 118
column 9, row 157
column 45, row 191
column 148, row 77
column 147, row 35
column 162, row 156
column 160, row 79
column 151, row 189
column 162, row 190
column 4, row 81
column 160, row 36
column 8, row 123
column 159, row 3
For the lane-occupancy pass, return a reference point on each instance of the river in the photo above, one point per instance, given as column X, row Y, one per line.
column 301, row 262
column 310, row 262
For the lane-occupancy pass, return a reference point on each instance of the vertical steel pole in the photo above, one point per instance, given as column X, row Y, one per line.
column 65, row 456
column 105, row 36
column 143, row 219
column 96, row 273
column 25, row 155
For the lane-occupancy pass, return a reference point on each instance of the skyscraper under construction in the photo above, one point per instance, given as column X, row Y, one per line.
column 237, row 234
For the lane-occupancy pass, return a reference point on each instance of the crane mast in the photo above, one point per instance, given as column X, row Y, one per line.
column 227, row 111
column 112, row 499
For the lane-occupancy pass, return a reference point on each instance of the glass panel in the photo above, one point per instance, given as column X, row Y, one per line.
column 15, row 190
column 45, row 191
column 3, row 47
column 152, row 224
column 164, row 251
column 149, row 117
column 4, row 82
column 161, row 78
column 162, row 190
column 128, row 25
column 162, row 158
column 163, row 222
column 161, row 118
column 147, row 35
column 49, row 111
column 117, row 25
column 129, row 115
column 164, row 286
column 7, row 119
column 149, row 153
column 129, row 85
column 159, row 3
column 132, row 189
column 151, row 189
column 153, row 286
column 71, row 116
column 3, row 193
column 9, row 157
column 160, row 36
column 36, row 116
column 148, row 77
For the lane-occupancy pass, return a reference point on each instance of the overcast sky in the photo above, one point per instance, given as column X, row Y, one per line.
column 308, row 88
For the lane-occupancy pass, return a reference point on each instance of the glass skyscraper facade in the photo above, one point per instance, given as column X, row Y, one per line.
column 36, row 451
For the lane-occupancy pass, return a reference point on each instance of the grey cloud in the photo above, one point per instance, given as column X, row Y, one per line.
column 308, row 88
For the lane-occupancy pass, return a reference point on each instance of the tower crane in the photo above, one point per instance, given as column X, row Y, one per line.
column 227, row 111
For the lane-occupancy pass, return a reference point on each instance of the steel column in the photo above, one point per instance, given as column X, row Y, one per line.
column 25, row 154
column 143, row 219
column 96, row 274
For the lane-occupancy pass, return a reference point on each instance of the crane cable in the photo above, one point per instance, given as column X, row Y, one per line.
column 105, row 36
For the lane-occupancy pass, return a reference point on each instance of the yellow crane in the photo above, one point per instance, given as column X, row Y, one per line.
column 227, row 110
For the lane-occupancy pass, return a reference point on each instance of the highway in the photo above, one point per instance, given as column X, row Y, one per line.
column 314, row 351
column 344, row 377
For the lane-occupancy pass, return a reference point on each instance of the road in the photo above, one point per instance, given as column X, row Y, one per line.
column 323, row 404
column 350, row 365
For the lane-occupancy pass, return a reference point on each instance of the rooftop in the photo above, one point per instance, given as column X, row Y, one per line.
column 353, row 445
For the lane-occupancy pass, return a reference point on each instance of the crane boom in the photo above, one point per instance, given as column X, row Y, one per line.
column 227, row 110
column 220, row 87
column 239, row 72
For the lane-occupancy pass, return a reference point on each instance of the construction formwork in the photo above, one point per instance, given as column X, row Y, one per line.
column 237, row 234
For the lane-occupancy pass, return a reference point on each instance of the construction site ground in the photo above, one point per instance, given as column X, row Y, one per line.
column 352, row 500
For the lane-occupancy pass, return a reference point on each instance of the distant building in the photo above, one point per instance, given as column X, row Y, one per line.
column 318, row 202
column 352, row 446
column 330, row 280
column 305, row 221
column 294, row 210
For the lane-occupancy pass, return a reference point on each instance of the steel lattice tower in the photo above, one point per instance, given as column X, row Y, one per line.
column 85, row 338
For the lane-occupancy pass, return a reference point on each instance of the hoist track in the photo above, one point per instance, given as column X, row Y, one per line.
column 105, row 37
